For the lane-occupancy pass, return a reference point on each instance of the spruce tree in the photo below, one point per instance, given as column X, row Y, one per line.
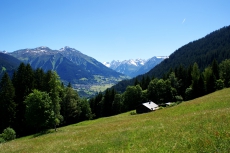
column 21, row 90
column 70, row 109
column 7, row 104
column 86, row 112
column 107, row 103
column 39, row 79
column 95, row 105
column 29, row 79
column 201, row 87
column 195, row 80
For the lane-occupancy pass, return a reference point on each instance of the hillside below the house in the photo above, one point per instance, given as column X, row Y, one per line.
column 199, row 125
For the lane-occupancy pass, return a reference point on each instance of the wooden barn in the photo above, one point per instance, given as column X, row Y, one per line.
column 146, row 107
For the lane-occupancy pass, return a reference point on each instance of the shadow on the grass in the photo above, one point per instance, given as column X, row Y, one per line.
column 43, row 133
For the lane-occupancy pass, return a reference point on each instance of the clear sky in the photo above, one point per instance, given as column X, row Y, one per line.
column 110, row 29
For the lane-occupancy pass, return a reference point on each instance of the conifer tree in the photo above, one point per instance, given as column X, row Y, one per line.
column 117, row 106
column 29, row 79
column 215, row 69
column 143, row 83
column 147, row 81
column 95, row 105
column 107, row 102
column 21, row 91
column 86, row 113
column 70, row 109
column 7, row 104
column 195, row 80
column 152, row 90
column 136, row 82
column 201, row 87
column 209, row 79
column 39, row 79
column 181, row 75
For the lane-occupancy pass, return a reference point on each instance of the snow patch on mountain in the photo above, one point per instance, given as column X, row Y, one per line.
column 134, row 67
column 68, row 49
column 5, row 52
column 106, row 64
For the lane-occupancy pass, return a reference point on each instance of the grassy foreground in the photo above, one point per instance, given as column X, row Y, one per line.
column 200, row 125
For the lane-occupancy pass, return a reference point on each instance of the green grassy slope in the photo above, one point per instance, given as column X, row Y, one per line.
column 200, row 125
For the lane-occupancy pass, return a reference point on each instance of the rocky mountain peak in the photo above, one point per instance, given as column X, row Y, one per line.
column 134, row 67
column 67, row 48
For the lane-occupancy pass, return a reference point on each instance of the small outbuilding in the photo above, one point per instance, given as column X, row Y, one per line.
column 146, row 107
column 165, row 104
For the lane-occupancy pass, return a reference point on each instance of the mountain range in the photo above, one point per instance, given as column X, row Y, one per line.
column 134, row 67
column 72, row 66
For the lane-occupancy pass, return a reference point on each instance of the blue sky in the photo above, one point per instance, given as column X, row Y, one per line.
column 109, row 29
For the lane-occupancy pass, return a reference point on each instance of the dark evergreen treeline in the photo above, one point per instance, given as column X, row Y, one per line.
column 33, row 100
column 215, row 45
column 180, row 83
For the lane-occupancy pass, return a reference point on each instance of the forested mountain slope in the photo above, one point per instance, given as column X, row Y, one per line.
column 7, row 63
column 215, row 45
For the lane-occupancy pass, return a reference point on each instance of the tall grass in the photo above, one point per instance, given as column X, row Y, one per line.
column 200, row 125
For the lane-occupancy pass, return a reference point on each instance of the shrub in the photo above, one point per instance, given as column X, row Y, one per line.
column 188, row 93
column 133, row 113
column 1, row 140
column 174, row 104
column 219, row 84
column 179, row 98
column 8, row 134
column 160, row 108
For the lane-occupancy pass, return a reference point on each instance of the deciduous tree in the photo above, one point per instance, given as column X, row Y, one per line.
column 225, row 72
column 39, row 111
column 54, row 87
